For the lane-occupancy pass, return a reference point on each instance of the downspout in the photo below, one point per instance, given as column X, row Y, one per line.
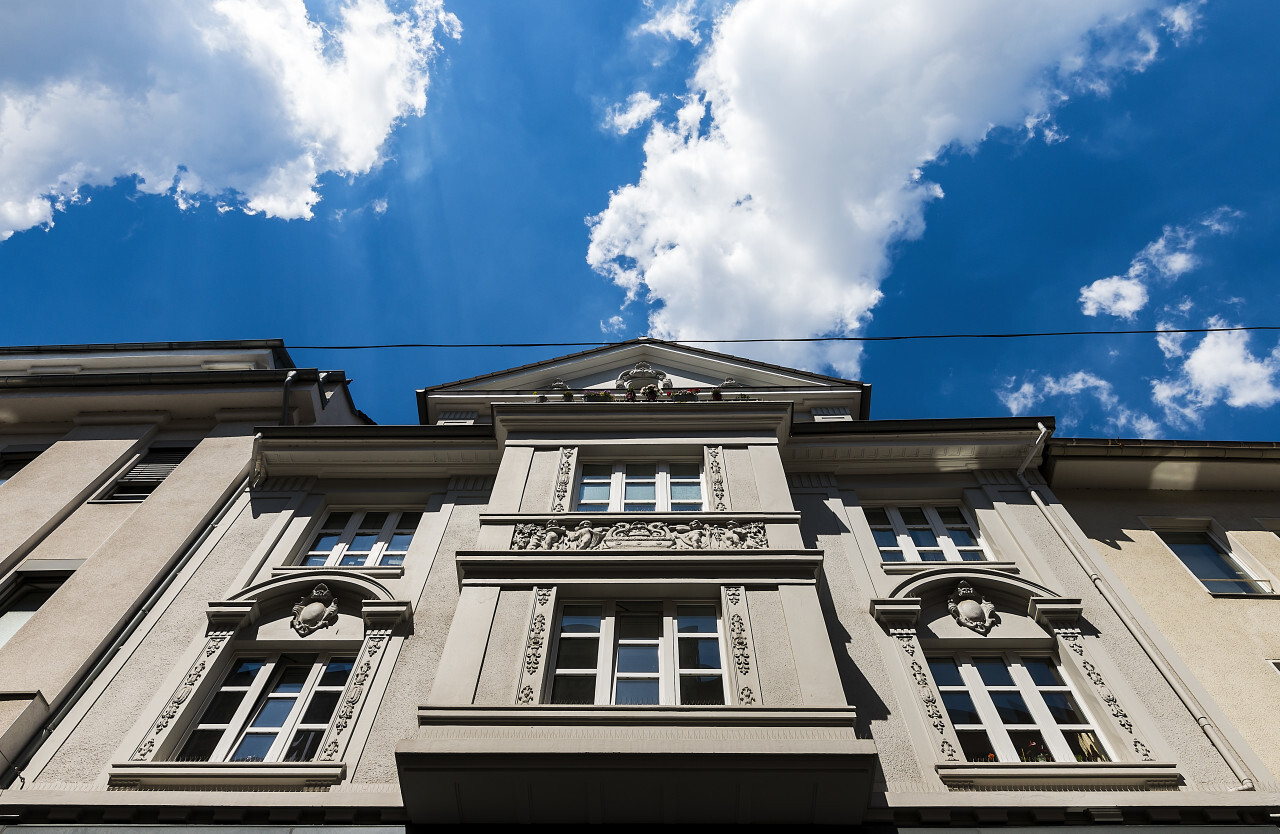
column 284, row 398
column 88, row 679
column 1189, row 700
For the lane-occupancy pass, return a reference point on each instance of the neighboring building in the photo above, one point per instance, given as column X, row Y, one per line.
column 1190, row 529
column 583, row 591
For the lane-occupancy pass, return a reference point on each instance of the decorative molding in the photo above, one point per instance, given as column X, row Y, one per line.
column 316, row 611
column 352, row 696
column 1107, row 696
column 526, row 695
column 564, row 478
column 948, row 751
column 972, row 610
column 694, row 535
column 733, row 594
column 741, row 651
column 746, row 675
column 535, row 646
column 642, row 375
column 715, row 477
column 214, row 643
column 746, row 697
column 1070, row 637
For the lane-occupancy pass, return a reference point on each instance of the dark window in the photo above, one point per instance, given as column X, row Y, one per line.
column 148, row 473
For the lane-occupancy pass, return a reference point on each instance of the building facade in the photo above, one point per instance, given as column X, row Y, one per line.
column 644, row 583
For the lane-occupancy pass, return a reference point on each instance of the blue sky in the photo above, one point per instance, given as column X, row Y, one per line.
column 495, row 172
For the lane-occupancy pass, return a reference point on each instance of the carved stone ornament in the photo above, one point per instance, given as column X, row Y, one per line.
column 315, row 611
column 638, row 534
column 564, row 477
column 641, row 375
column 972, row 610
column 716, row 474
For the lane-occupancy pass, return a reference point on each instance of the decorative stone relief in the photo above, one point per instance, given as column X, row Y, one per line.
column 526, row 696
column 1141, row 750
column 948, row 751
column 746, row 696
column 534, row 645
column 746, row 675
column 315, row 611
column 639, row 534
column 144, row 750
column 972, row 610
column 906, row 638
column 641, row 375
column 1071, row 638
column 908, row 644
column 733, row 594
column 564, row 479
column 354, row 693
column 715, row 476
column 737, row 635
column 213, row 644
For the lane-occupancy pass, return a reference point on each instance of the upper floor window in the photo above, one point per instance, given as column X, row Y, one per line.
column 354, row 538
column 1010, row 708
column 640, row 487
column 636, row 653
column 937, row 533
column 1211, row 563
column 11, row 464
column 21, row 602
column 148, row 473
column 269, row 708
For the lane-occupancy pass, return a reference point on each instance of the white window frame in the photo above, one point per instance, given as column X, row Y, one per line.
column 380, row 549
column 1043, row 722
column 907, row 546
column 1225, row 550
column 662, row 480
column 669, row 671
column 256, row 695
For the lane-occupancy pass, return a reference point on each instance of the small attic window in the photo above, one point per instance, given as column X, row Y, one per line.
column 827, row 414
column 456, row 418
column 148, row 473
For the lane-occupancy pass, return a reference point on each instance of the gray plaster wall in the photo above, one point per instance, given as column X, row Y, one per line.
column 500, row 674
column 541, row 484
column 779, row 681
column 87, row 752
column 415, row 668
column 78, row 536
column 1154, row 706
column 741, row 476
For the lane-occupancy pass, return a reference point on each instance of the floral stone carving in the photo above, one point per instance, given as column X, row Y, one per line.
column 315, row 611
column 972, row 610
column 642, row 375
column 639, row 534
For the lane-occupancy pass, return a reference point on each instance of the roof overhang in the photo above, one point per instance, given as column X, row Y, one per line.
column 1094, row 463
column 705, row 420
column 375, row 451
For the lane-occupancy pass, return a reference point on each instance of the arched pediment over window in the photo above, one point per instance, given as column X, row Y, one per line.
column 319, row 606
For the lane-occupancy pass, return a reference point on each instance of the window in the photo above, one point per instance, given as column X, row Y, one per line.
column 942, row 533
column 640, row 487
column 148, row 473
column 270, row 708
column 638, row 653
column 21, row 602
column 1209, row 562
column 11, row 464
column 353, row 538
column 1008, row 708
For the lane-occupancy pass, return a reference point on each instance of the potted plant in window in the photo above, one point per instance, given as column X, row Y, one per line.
column 630, row 396
column 650, row 393
column 683, row 395
column 597, row 396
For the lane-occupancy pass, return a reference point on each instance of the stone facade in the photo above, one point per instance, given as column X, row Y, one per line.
column 643, row 583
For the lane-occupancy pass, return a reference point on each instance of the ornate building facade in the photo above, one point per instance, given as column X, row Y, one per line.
column 644, row 583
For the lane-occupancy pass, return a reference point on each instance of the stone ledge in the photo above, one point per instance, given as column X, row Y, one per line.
column 287, row 776
column 1083, row 776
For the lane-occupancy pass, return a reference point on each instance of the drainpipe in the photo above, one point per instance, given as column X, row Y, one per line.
column 1035, row 447
column 284, row 398
column 1189, row 700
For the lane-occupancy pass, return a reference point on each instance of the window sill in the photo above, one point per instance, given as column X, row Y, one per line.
column 280, row 776
column 372, row 571
column 894, row 568
column 1236, row 595
column 1147, row 776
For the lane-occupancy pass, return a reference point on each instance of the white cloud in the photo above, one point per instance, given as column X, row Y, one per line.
column 639, row 108
column 1170, row 344
column 1181, row 20
column 615, row 324
column 1166, row 259
column 1119, row 419
column 674, row 21
column 1219, row 369
column 246, row 100
column 1116, row 296
column 769, row 206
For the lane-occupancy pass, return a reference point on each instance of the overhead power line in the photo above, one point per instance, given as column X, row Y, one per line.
column 903, row 338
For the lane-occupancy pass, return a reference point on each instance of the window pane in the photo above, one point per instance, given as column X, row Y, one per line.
column 400, row 541
column 960, row 708
column 885, row 538
column 961, row 538
column 913, row 516
column 1085, row 745
column 294, row 677
column 1062, row 708
column 315, row 561
column 274, row 712
column 337, row 521
column 993, row 671
column 640, row 492
column 892, row 556
column 637, row 692
column 244, row 673
column 574, row 689
column 304, row 746
column 945, row 671
column 337, row 672
column 686, row 492
column 1233, row 586
column 373, row 521
column 254, row 747
column 355, row 560
column 637, row 659
column 976, row 746
column 321, row 708
column 1199, row 553
column 642, row 470
column 973, row 556
column 696, row 619
column 699, row 654
column 363, row 542
column 685, row 470
column 876, row 516
column 580, row 619
column 222, row 707
column 640, row 508
column 326, row 541
column 639, row 627
column 1012, row 709
column 593, row 492
column 392, row 561
column 199, row 746
column 578, row 653
column 701, row 690
column 593, row 508
column 932, row 556
column 596, row 470
column 951, row 515
column 1042, row 671
column 409, row 521
column 924, row 538
column 1030, row 746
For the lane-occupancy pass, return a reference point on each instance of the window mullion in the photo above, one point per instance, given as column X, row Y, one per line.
column 662, row 488
column 949, row 551
column 905, row 542
column 1040, row 712
column 991, row 721
column 253, row 697
column 290, row 723
column 606, row 653
column 668, row 662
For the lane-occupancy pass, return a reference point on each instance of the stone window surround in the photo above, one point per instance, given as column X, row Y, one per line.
column 1235, row 554
column 619, row 480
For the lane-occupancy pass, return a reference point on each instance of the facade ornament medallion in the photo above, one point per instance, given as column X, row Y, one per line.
column 315, row 611
column 972, row 610
column 694, row 535
column 641, row 375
